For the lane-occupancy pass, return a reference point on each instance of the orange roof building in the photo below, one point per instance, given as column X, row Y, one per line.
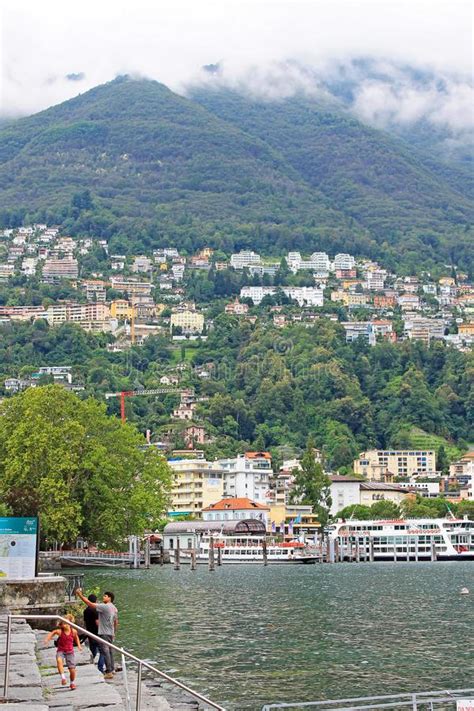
column 234, row 508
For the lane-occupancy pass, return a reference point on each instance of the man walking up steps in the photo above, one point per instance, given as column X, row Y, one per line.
column 108, row 620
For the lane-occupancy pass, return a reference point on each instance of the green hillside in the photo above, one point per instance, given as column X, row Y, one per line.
column 400, row 195
column 141, row 166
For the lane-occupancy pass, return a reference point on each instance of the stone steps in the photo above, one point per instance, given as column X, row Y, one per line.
column 35, row 685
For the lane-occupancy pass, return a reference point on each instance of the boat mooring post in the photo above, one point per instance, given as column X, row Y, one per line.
column 265, row 551
column 147, row 553
column 408, row 548
column 331, row 551
column 211, row 553
column 433, row 551
column 219, row 556
column 162, row 554
column 371, row 550
column 193, row 559
column 357, row 547
column 177, row 561
column 416, row 548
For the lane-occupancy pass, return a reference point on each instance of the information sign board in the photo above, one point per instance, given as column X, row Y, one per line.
column 18, row 547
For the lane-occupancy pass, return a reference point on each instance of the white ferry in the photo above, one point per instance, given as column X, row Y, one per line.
column 250, row 549
column 405, row 539
column 233, row 541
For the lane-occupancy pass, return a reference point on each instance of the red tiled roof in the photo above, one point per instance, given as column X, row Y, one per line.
column 259, row 455
column 234, row 504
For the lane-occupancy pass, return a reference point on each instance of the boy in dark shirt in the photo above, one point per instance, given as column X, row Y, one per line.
column 91, row 617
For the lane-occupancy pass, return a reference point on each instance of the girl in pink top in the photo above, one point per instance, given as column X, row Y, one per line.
column 67, row 638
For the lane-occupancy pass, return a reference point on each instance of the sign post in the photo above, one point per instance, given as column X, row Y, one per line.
column 19, row 546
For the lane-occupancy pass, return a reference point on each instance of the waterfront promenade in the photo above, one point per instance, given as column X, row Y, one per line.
column 35, row 683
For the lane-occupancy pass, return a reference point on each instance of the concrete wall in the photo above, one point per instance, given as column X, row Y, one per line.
column 42, row 595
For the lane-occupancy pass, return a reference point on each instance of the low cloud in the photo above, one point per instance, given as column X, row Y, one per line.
column 383, row 104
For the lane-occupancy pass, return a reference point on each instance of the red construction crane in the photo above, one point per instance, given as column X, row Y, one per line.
column 131, row 393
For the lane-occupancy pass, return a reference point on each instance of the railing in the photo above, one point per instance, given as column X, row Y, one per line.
column 72, row 583
column 124, row 654
column 413, row 701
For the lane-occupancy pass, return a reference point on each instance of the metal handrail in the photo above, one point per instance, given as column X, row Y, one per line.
column 393, row 701
column 141, row 663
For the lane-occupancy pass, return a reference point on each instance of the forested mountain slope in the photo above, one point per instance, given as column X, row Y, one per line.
column 222, row 170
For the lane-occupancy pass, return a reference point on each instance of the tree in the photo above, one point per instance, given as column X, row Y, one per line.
column 385, row 509
column 312, row 486
column 80, row 470
column 443, row 460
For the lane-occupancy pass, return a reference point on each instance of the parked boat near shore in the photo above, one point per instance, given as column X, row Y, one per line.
column 251, row 549
column 410, row 539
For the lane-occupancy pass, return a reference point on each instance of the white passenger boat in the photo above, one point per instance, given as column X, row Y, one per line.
column 250, row 549
column 405, row 539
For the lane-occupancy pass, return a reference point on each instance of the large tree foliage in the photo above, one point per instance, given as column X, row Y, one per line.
column 312, row 486
column 80, row 470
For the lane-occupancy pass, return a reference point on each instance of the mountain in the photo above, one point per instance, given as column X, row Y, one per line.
column 135, row 163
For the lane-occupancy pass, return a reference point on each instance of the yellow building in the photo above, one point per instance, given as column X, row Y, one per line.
column 349, row 298
column 299, row 520
column 373, row 491
column 378, row 465
column 188, row 321
column 466, row 329
column 196, row 485
column 206, row 253
column 121, row 309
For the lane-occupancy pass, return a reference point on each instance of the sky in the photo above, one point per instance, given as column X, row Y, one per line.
column 52, row 50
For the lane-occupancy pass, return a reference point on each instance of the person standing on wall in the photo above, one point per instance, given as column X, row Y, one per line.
column 107, row 627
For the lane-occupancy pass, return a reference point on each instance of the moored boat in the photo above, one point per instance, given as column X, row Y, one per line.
column 251, row 549
column 404, row 539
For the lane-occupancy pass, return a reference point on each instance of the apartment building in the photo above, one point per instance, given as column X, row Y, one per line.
column 243, row 259
column 6, row 271
column 22, row 313
column 343, row 261
column 349, row 298
column 304, row 295
column 375, row 279
column 236, row 308
column 196, row 484
column 248, row 475
column 141, row 264
column 94, row 289
column 382, row 465
column 424, row 329
column 131, row 286
column 90, row 316
column 56, row 269
column 188, row 321
column 359, row 329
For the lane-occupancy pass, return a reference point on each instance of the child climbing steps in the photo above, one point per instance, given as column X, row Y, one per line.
column 67, row 639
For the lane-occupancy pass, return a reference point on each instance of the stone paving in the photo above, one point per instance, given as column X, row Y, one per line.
column 35, row 685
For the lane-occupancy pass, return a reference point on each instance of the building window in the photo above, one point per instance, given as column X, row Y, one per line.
column 171, row 543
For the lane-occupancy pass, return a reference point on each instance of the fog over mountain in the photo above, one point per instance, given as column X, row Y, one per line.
column 432, row 109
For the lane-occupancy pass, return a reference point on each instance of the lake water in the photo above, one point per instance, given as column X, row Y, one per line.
column 246, row 635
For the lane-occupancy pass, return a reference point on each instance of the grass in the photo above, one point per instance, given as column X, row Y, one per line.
column 424, row 440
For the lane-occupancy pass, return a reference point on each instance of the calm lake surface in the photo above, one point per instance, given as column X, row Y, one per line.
column 246, row 635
